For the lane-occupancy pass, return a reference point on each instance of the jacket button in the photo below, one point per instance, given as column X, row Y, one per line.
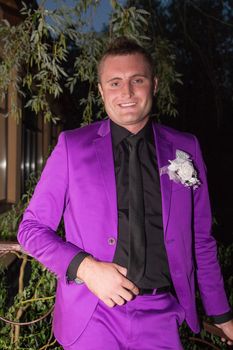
column 111, row 241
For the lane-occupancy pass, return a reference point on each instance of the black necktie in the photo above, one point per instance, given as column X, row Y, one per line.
column 136, row 265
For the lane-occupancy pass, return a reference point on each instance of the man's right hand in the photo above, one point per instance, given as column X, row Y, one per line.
column 107, row 281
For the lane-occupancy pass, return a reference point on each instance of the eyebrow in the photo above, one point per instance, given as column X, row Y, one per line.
column 133, row 76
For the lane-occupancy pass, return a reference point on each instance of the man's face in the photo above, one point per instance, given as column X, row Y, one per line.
column 127, row 88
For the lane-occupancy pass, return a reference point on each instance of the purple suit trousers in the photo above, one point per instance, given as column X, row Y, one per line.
column 147, row 322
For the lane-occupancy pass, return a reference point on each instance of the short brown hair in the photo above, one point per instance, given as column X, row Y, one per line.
column 125, row 46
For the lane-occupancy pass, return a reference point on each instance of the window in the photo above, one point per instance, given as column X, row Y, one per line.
column 32, row 147
column 3, row 149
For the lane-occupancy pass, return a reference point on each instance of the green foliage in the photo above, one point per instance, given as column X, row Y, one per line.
column 38, row 51
column 35, row 298
column 129, row 21
column 9, row 221
column 3, row 293
column 165, row 64
column 36, row 59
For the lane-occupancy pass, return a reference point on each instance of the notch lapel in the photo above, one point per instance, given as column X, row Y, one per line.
column 104, row 152
column 164, row 151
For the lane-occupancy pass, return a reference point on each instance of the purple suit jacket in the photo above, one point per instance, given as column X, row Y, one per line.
column 78, row 182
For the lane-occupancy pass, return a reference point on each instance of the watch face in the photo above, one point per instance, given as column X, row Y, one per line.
column 78, row 281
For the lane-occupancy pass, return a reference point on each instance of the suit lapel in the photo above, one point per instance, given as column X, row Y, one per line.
column 104, row 152
column 164, row 152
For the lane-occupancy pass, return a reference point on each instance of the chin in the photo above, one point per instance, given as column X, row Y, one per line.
column 137, row 120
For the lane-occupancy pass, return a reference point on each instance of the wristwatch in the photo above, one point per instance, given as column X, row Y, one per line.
column 78, row 281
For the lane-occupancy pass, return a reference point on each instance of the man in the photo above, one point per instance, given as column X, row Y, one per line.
column 136, row 235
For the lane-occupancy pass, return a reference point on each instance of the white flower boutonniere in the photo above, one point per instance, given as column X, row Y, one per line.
column 181, row 170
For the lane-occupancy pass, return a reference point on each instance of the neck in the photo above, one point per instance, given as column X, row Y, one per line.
column 135, row 128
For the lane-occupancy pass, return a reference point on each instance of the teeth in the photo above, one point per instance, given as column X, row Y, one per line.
column 128, row 104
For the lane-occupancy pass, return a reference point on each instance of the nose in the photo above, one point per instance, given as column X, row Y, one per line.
column 127, row 89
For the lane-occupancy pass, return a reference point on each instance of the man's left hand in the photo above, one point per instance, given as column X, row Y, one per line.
column 227, row 328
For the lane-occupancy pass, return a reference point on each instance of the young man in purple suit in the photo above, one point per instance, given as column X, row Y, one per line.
column 137, row 218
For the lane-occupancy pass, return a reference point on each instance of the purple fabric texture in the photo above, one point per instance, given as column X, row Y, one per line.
column 147, row 322
column 78, row 182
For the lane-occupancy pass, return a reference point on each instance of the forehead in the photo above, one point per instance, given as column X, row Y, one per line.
column 124, row 65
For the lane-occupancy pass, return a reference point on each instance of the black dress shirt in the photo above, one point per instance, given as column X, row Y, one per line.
column 156, row 265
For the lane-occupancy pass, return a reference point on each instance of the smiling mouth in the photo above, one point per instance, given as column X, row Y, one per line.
column 128, row 104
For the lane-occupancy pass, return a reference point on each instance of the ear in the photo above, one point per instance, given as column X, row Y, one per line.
column 101, row 91
column 155, row 85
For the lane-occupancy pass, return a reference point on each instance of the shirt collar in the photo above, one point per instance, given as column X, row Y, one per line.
column 119, row 133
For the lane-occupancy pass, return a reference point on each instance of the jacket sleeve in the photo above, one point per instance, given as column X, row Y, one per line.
column 37, row 231
column 209, row 275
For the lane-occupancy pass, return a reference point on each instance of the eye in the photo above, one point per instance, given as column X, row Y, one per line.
column 115, row 84
column 137, row 81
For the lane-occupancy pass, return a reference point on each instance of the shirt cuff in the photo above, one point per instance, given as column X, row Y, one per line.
column 74, row 265
column 227, row 316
